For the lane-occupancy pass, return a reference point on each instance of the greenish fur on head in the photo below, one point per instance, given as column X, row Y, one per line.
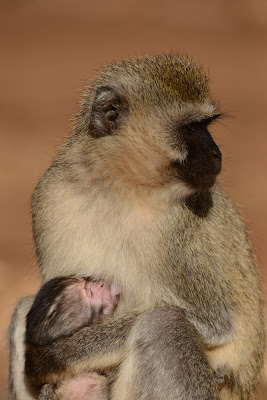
column 164, row 78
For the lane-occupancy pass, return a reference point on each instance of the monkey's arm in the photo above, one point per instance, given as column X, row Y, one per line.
column 95, row 348
column 19, row 389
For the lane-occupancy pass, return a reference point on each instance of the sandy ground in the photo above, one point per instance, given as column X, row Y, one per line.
column 49, row 50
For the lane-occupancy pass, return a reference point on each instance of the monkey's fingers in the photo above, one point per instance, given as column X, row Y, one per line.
column 109, row 308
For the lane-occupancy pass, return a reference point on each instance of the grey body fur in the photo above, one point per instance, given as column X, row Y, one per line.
column 112, row 208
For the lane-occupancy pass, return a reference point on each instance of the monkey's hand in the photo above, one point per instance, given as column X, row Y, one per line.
column 94, row 348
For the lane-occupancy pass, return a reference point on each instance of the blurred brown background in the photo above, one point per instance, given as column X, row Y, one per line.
column 50, row 48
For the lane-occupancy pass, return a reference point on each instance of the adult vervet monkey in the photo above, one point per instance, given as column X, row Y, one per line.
column 131, row 200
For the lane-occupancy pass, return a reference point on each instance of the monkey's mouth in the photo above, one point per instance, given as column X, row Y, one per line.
column 209, row 176
column 200, row 180
column 203, row 174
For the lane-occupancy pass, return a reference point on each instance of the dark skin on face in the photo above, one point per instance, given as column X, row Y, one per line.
column 203, row 162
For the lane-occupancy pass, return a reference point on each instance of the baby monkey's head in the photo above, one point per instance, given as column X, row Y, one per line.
column 144, row 122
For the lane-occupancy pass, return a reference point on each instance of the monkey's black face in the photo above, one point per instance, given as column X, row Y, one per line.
column 203, row 161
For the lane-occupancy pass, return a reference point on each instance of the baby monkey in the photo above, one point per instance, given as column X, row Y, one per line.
column 63, row 306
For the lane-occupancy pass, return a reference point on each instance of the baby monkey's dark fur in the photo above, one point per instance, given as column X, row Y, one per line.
column 132, row 200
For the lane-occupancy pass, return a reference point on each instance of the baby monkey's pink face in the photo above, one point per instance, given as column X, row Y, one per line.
column 95, row 299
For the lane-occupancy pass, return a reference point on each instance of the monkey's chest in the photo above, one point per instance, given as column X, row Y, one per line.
column 124, row 249
column 140, row 250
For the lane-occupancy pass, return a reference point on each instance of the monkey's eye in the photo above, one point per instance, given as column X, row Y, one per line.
column 108, row 110
column 210, row 120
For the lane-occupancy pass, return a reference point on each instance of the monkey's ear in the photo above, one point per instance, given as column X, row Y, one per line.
column 108, row 110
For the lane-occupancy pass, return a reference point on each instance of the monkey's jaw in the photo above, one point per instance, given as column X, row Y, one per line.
column 201, row 180
column 196, row 175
